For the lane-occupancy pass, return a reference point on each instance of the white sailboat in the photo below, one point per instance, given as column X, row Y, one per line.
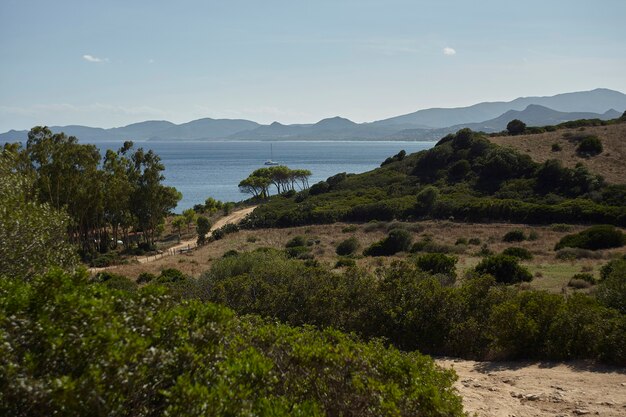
column 271, row 161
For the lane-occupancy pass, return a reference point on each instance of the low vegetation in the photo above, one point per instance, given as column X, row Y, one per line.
column 413, row 309
column 594, row 238
column 74, row 348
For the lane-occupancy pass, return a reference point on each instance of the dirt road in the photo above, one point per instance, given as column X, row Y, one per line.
column 234, row 217
column 506, row 389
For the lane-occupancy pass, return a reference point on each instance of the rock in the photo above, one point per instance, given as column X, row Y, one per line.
column 581, row 411
column 532, row 397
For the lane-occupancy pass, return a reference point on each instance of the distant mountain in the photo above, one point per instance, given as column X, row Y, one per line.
column 532, row 115
column 204, row 129
column 428, row 124
column 597, row 101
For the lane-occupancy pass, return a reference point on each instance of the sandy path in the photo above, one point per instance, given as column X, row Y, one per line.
column 506, row 389
column 234, row 217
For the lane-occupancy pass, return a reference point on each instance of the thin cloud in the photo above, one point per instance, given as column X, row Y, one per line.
column 91, row 58
column 449, row 51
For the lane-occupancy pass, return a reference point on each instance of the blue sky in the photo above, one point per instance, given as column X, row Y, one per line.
column 113, row 62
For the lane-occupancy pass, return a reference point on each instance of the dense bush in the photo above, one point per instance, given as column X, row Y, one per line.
column 504, row 269
column 414, row 310
column 514, row 236
column 347, row 247
column 516, row 127
column 115, row 281
column 169, row 275
column 589, row 146
column 594, row 238
column 398, row 240
column 437, row 263
column 612, row 289
column 145, row 277
column 296, row 241
column 520, row 253
column 79, row 349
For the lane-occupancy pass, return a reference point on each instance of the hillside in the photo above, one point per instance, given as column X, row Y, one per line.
column 611, row 163
column 464, row 177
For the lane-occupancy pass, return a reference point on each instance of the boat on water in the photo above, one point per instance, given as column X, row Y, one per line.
column 271, row 160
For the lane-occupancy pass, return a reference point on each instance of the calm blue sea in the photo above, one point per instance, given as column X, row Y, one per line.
column 213, row 169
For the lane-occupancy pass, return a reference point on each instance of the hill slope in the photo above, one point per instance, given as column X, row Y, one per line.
column 611, row 163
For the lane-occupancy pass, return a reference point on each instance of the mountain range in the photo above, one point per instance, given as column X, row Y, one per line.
column 427, row 124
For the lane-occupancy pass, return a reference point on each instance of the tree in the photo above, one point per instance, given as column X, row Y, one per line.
column 516, row 127
column 152, row 200
column 178, row 223
column 203, row 226
column 190, row 218
column 32, row 235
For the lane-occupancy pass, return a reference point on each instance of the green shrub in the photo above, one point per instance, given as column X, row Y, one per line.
column 296, row 241
column 516, row 127
column 560, row 227
column 231, row 252
column 610, row 266
column 612, row 289
column 461, row 241
column 556, row 147
column 398, row 240
column 300, row 252
column 81, row 349
column 170, row 275
column 437, row 263
column 115, row 281
column 594, row 238
column 474, row 241
column 345, row 262
column 589, row 146
column 375, row 225
column 519, row 253
column 347, row 247
column 514, row 236
column 145, row 277
column 349, row 229
column 505, row 269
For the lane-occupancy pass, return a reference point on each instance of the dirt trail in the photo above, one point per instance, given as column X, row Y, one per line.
column 234, row 217
column 507, row 389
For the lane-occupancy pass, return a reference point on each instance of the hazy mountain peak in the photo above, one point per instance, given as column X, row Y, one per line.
column 335, row 122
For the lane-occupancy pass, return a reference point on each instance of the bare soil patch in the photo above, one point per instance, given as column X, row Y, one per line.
column 526, row 389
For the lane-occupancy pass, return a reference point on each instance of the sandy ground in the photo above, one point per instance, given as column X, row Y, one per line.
column 524, row 389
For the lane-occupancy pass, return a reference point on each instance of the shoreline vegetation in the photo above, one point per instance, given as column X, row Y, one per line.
column 284, row 322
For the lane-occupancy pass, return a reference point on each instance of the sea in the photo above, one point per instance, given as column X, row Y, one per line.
column 214, row 169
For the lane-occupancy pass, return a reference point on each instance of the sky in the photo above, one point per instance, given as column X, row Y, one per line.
column 111, row 63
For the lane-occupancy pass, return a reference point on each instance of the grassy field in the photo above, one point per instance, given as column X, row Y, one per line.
column 550, row 273
column 609, row 164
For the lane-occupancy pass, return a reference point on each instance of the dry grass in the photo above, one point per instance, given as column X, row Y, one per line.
column 611, row 163
column 550, row 274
